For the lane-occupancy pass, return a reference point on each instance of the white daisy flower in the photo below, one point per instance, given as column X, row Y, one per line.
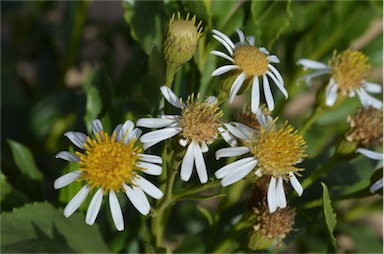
column 199, row 124
column 249, row 63
column 110, row 165
column 273, row 151
column 349, row 72
column 374, row 156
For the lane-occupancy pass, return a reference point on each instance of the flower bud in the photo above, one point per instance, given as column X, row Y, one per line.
column 181, row 39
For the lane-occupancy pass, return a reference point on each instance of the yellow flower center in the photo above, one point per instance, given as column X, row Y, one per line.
column 277, row 151
column 349, row 69
column 251, row 60
column 200, row 121
column 108, row 163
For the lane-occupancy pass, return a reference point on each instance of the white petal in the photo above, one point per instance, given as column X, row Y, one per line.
column 372, row 87
column 135, row 200
column 281, row 200
column 211, row 100
column 223, row 55
column 251, row 40
column 171, row 97
column 200, row 164
column 96, row 126
column 148, row 145
column 273, row 59
column 277, row 75
column 238, row 173
column 76, row 201
column 183, row 142
column 159, row 135
column 295, row 184
column 308, row 78
column 150, row 158
column 271, row 195
column 187, row 164
column 67, row 156
column 376, row 186
column 368, row 100
column 224, row 43
column 117, row 131
column 231, row 151
column 370, row 154
column 148, row 187
column 66, row 179
column 117, row 214
column 248, row 131
column 135, row 134
column 77, row 138
column 311, row 64
column 154, row 122
column 227, row 136
column 204, row 147
column 149, row 168
column 225, row 37
column 237, row 132
column 126, row 129
column 222, row 172
column 279, row 85
column 331, row 93
column 140, row 193
column 241, row 36
column 264, row 51
column 94, row 207
column 236, row 86
column 255, row 101
column 224, row 69
column 268, row 94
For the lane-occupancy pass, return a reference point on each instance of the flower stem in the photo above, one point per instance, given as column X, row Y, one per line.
column 316, row 113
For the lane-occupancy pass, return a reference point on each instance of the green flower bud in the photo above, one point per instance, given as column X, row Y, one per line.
column 181, row 39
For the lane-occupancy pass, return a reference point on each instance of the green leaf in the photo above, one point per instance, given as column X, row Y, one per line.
column 100, row 93
column 6, row 188
column 40, row 227
column 206, row 214
column 271, row 19
column 145, row 23
column 24, row 160
column 330, row 218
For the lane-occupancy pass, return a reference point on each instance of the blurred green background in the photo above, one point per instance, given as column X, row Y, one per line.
column 65, row 63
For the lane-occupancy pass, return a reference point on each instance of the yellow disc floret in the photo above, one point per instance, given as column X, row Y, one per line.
column 278, row 150
column 200, row 121
column 251, row 60
column 108, row 163
column 349, row 69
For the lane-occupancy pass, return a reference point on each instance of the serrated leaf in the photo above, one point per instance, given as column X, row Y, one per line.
column 24, row 160
column 330, row 218
column 40, row 227
column 204, row 211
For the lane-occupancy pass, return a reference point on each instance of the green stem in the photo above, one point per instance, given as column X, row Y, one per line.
column 170, row 73
column 321, row 171
column 197, row 189
column 158, row 221
column 316, row 113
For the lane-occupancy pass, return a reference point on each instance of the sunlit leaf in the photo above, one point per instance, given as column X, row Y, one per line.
column 24, row 160
column 40, row 227
column 330, row 218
